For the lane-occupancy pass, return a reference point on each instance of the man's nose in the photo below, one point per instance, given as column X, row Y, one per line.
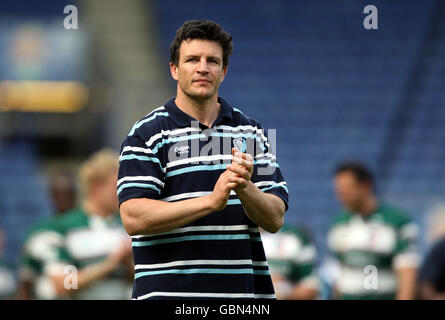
column 203, row 66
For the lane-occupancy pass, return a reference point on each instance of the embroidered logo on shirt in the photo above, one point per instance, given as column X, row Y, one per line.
column 182, row 149
column 240, row 144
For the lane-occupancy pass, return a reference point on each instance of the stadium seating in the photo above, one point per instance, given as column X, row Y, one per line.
column 331, row 88
column 23, row 197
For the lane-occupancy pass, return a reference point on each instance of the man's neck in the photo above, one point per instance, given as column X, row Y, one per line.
column 368, row 206
column 205, row 111
column 91, row 208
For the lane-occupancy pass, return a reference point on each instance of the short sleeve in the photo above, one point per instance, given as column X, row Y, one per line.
column 406, row 255
column 267, row 174
column 141, row 174
column 304, row 265
column 433, row 267
column 28, row 268
column 41, row 249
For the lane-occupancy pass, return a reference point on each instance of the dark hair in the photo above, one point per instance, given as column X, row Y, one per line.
column 201, row 29
column 361, row 173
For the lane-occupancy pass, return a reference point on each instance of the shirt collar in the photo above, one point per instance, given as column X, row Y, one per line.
column 184, row 120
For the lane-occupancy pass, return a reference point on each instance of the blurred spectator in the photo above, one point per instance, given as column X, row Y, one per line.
column 63, row 191
column 291, row 256
column 42, row 241
column 435, row 224
column 432, row 272
column 7, row 280
column 375, row 244
column 95, row 260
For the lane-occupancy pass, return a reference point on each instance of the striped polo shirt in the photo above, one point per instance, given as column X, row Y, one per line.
column 169, row 156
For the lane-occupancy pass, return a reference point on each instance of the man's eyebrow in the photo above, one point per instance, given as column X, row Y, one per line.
column 197, row 56
column 215, row 58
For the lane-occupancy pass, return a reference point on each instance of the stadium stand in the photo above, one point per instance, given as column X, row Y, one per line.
column 331, row 89
column 23, row 196
column 309, row 69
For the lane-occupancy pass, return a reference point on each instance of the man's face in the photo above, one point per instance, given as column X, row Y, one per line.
column 200, row 68
column 106, row 193
column 349, row 191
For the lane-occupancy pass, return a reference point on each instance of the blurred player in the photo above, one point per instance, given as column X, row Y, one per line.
column 94, row 260
column 63, row 191
column 292, row 256
column 432, row 273
column 42, row 240
column 375, row 244
column 7, row 279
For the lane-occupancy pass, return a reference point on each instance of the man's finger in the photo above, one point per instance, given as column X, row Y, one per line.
column 238, row 154
column 243, row 162
column 239, row 170
column 237, row 179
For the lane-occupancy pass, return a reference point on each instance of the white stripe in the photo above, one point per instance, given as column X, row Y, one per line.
column 265, row 155
column 205, row 295
column 141, row 178
column 200, row 159
column 406, row 260
column 245, row 127
column 175, row 132
column 199, row 262
column 306, row 255
column 269, row 183
column 151, row 113
column 202, row 228
column 189, row 195
column 136, row 149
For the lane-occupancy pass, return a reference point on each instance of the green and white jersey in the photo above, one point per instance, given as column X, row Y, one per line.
column 7, row 281
column 89, row 239
column 291, row 256
column 40, row 248
column 386, row 240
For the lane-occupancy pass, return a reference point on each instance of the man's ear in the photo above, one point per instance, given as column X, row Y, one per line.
column 174, row 70
column 224, row 73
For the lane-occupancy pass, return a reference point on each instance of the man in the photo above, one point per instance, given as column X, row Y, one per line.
column 292, row 260
column 375, row 244
column 41, row 240
column 432, row 272
column 193, row 215
column 7, row 279
column 93, row 258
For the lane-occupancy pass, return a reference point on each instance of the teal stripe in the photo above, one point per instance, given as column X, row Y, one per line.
column 205, row 168
column 140, row 123
column 202, row 270
column 233, row 202
column 190, row 238
column 197, row 168
column 142, row 158
column 202, row 136
column 266, row 162
column 177, row 139
column 239, row 135
column 137, row 185
column 276, row 186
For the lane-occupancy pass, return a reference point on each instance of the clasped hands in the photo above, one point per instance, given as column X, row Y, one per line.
column 241, row 169
column 236, row 177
